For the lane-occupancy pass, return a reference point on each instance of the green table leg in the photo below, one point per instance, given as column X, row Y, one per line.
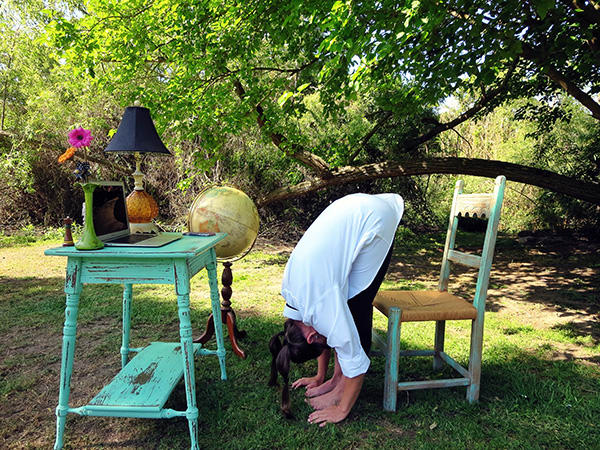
column 72, row 290
column 127, row 289
column 211, row 268
column 182, row 285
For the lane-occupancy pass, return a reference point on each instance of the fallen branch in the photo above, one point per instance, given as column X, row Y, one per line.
column 582, row 190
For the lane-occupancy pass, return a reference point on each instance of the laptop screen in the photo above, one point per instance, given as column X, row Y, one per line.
column 110, row 213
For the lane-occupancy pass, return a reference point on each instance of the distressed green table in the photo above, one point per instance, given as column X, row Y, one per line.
column 145, row 382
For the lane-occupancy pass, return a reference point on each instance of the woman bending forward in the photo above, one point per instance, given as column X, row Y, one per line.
column 329, row 285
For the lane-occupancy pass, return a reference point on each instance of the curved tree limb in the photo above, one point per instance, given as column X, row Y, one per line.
column 582, row 190
column 318, row 164
column 365, row 140
column 323, row 170
column 558, row 78
column 481, row 103
column 534, row 55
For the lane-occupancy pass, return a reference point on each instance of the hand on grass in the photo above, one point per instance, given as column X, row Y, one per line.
column 309, row 382
column 333, row 414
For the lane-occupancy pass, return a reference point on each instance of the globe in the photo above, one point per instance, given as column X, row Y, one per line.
column 229, row 210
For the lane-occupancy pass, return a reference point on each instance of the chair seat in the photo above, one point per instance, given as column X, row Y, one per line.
column 418, row 306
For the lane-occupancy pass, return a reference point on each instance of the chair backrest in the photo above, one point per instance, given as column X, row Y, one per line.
column 488, row 206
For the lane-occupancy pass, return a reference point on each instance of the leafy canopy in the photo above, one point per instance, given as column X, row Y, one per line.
column 213, row 68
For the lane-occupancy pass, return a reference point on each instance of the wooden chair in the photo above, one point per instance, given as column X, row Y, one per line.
column 439, row 305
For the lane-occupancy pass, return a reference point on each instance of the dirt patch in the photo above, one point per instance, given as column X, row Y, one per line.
column 277, row 246
column 570, row 352
column 550, row 285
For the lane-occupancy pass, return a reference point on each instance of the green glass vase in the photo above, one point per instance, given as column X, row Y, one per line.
column 89, row 240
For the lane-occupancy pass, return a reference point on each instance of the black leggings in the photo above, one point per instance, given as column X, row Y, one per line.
column 361, row 305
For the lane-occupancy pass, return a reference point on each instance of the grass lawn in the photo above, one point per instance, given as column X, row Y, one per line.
column 540, row 374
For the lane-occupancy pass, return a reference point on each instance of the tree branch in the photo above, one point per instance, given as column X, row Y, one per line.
column 108, row 164
column 587, row 12
column 462, row 137
column 571, row 88
column 369, row 135
column 483, row 101
column 552, row 181
column 316, row 163
column 532, row 54
column 294, row 70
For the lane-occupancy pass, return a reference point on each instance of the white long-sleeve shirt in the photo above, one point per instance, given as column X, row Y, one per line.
column 337, row 258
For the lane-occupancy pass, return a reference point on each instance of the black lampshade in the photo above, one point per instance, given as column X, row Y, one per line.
column 136, row 133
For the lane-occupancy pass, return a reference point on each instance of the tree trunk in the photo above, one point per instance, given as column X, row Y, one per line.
column 582, row 190
column 5, row 93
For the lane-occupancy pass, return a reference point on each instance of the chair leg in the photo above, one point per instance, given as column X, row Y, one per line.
column 390, row 387
column 440, row 330
column 475, row 360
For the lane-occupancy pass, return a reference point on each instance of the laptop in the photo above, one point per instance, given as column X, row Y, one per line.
column 112, row 223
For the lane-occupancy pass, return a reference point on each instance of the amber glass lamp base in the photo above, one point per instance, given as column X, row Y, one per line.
column 141, row 207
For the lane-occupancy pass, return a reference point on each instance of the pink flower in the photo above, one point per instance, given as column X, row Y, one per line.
column 80, row 137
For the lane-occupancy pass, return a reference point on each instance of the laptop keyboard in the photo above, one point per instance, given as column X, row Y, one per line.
column 131, row 239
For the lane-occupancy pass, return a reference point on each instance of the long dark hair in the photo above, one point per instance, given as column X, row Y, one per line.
column 293, row 348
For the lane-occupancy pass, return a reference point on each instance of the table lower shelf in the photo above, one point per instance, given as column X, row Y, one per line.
column 143, row 386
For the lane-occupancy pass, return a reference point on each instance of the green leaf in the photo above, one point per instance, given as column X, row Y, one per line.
column 302, row 87
column 543, row 6
column 284, row 98
column 337, row 5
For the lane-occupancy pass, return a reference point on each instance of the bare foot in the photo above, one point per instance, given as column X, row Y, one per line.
column 324, row 401
column 324, row 388
column 333, row 414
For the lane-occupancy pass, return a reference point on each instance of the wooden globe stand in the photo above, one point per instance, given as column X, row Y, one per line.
column 227, row 315
column 213, row 211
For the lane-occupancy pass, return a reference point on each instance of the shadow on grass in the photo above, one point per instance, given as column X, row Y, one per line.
column 280, row 259
column 525, row 397
column 562, row 277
